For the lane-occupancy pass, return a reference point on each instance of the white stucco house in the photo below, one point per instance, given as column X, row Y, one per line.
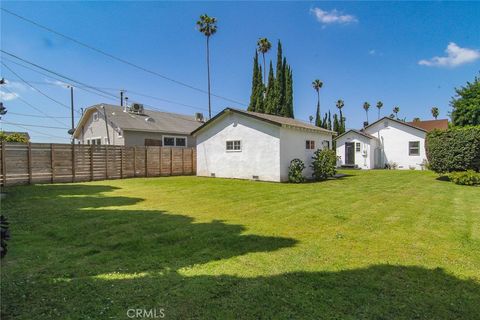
column 386, row 141
column 249, row 145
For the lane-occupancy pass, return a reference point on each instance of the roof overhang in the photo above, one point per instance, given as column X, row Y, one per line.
column 397, row 121
column 356, row 132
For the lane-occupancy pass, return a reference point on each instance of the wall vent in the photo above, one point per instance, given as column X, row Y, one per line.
column 255, row 178
column 212, row 175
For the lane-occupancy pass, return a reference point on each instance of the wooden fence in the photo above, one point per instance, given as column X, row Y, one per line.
column 51, row 163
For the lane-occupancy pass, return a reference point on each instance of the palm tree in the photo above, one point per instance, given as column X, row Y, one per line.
column 379, row 106
column 207, row 26
column 396, row 110
column 435, row 112
column 263, row 45
column 317, row 85
column 366, row 106
column 310, row 118
column 340, row 104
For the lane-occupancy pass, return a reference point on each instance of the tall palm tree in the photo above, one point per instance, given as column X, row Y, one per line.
column 310, row 118
column 396, row 110
column 435, row 112
column 379, row 106
column 317, row 85
column 366, row 106
column 340, row 104
column 208, row 26
column 263, row 46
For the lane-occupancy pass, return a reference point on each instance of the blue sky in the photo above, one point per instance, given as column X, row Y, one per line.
column 362, row 51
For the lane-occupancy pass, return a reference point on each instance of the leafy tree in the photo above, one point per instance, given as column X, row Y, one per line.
column 255, row 84
column 466, row 104
column 379, row 106
column 416, row 119
column 435, row 112
column 13, row 137
column 263, row 46
column 317, row 85
column 366, row 106
column 208, row 26
column 396, row 110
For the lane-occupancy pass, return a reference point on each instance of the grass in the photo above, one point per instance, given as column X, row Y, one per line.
column 372, row 245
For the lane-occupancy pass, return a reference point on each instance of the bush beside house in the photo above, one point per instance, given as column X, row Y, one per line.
column 295, row 171
column 324, row 164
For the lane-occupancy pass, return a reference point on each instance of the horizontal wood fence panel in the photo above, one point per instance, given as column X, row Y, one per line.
column 52, row 163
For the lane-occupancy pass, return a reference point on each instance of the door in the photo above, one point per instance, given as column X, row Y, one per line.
column 349, row 153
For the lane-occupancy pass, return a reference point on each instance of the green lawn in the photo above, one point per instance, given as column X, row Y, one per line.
column 372, row 245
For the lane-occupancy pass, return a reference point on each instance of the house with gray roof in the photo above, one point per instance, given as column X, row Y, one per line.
column 135, row 126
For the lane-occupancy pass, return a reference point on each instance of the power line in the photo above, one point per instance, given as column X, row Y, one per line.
column 34, row 125
column 34, row 88
column 119, row 59
column 35, row 108
column 39, row 132
column 35, row 116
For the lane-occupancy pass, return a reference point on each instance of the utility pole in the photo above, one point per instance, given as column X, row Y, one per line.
column 3, row 110
column 121, row 98
column 72, row 130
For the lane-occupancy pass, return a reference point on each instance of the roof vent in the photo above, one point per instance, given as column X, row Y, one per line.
column 149, row 119
column 199, row 116
column 136, row 108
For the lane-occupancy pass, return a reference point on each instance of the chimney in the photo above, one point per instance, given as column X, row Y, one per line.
column 199, row 116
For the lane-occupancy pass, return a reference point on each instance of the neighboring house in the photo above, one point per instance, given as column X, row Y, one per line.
column 135, row 126
column 250, row 145
column 387, row 141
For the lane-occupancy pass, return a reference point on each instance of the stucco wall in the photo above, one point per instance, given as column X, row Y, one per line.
column 394, row 138
column 293, row 145
column 260, row 154
column 97, row 129
column 364, row 158
column 137, row 138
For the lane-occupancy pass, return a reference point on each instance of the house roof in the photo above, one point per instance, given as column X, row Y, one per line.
column 159, row 121
column 397, row 121
column 429, row 125
column 367, row 135
column 272, row 119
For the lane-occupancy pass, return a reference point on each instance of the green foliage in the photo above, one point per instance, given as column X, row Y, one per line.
column 270, row 106
column 455, row 149
column 13, row 137
column 466, row 105
column 255, row 84
column 467, row 178
column 295, row 171
column 324, row 164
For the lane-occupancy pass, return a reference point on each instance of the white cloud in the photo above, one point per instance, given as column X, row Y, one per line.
column 58, row 83
column 8, row 96
column 333, row 16
column 456, row 56
column 14, row 85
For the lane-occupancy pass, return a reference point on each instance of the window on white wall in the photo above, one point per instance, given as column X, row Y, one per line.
column 326, row 144
column 234, row 145
column 95, row 116
column 310, row 144
column 414, row 148
column 357, row 146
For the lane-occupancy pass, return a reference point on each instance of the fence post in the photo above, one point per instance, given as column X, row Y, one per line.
column 134, row 161
column 193, row 159
column 171, row 161
column 4, row 167
column 146, row 161
column 159, row 161
column 106, row 162
column 29, row 162
column 73, row 162
column 121, row 162
column 52, row 161
column 183, row 161
column 91, row 162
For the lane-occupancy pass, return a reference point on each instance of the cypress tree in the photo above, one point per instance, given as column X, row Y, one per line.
column 318, row 119
column 329, row 120
column 324, row 122
column 279, row 81
column 253, row 95
column 289, row 92
column 336, row 124
column 260, row 93
column 270, row 98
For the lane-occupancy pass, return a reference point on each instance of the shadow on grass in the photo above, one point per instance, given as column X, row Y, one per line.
column 79, row 262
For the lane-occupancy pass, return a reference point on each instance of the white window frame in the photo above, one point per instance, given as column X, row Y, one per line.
column 95, row 116
column 95, row 138
column 410, row 148
column 233, row 146
column 175, row 141
column 358, row 147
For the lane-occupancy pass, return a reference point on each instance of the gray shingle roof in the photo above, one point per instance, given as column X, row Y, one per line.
column 159, row 121
column 282, row 121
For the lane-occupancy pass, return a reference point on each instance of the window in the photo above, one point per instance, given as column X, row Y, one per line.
column 310, row 145
column 357, row 146
column 414, row 148
column 94, row 141
column 326, row 144
column 234, row 145
column 95, row 116
column 174, row 141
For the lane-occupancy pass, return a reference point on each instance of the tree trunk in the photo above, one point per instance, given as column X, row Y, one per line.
column 208, row 75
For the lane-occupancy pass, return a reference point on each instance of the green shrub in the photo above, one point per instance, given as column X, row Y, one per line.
column 295, row 171
column 455, row 149
column 324, row 164
column 13, row 137
column 468, row 178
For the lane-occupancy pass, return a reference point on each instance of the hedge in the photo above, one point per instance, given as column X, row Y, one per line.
column 455, row 149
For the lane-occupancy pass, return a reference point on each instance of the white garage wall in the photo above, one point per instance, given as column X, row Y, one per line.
column 293, row 145
column 260, row 154
column 394, row 137
column 364, row 158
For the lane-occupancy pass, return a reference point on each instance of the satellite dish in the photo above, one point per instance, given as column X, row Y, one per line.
column 71, row 131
